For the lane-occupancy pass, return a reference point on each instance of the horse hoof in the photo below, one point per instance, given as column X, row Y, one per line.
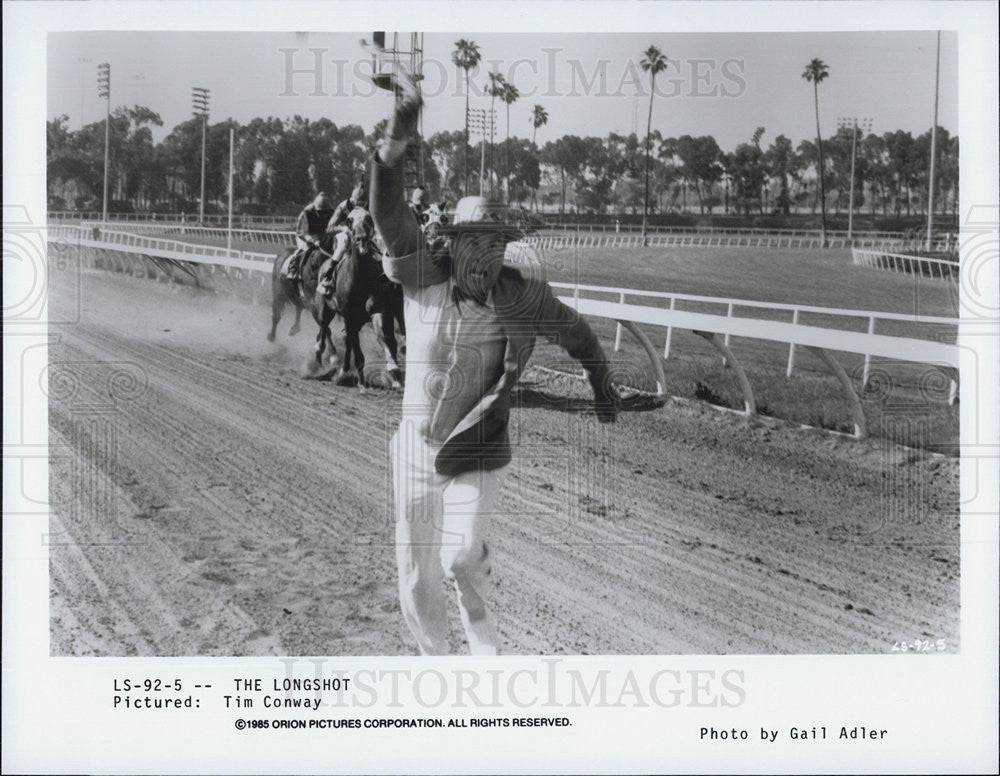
column 270, row 337
column 293, row 331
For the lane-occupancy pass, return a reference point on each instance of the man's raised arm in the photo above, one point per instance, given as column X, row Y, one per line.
column 408, row 260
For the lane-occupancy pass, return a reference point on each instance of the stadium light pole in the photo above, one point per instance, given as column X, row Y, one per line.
column 930, row 193
column 477, row 124
column 472, row 120
column 490, row 117
column 82, row 61
column 482, row 157
column 199, row 101
column 229, row 227
column 854, row 124
column 104, row 90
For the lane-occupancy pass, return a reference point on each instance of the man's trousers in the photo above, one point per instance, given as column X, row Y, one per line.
column 442, row 528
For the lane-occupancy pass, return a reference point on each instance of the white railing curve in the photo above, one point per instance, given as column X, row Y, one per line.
column 624, row 306
column 941, row 269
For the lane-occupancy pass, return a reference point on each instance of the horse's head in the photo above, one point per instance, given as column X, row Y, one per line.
column 362, row 230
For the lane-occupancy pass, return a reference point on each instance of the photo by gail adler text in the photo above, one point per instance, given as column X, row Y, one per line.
column 851, row 732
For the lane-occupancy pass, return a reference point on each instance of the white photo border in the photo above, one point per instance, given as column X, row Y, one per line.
column 56, row 718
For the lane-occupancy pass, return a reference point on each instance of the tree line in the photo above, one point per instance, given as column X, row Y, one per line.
column 279, row 165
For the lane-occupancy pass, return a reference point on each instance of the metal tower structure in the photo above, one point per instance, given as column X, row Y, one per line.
column 406, row 50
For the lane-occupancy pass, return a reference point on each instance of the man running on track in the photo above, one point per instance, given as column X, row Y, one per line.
column 471, row 324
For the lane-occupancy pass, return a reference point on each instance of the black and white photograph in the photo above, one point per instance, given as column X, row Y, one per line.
column 237, row 494
column 547, row 359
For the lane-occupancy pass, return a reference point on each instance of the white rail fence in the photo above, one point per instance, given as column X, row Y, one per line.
column 698, row 239
column 595, row 236
column 128, row 242
column 630, row 307
column 940, row 269
column 247, row 221
column 623, row 304
column 742, row 230
column 118, row 219
column 261, row 236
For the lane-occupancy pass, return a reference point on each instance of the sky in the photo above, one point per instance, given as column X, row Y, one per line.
column 723, row 84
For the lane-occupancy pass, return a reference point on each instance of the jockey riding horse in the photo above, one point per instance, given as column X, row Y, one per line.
column 312, row 223
column 352, row 284
column 340, row 225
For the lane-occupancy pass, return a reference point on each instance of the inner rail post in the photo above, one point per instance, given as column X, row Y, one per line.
column 791, row 347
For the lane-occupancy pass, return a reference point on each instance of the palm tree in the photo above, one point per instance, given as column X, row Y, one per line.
column 654, row 62
column 539, row 116
column 815, row 72
column 495, row 89
column 466, row 56
column 757, row 135
column 509, row 95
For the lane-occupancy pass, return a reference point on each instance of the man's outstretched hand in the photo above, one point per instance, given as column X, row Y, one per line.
column 404, row 120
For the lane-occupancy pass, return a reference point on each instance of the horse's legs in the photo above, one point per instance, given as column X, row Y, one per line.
column 325, row 319
column 321, row 339
column 353, row 338
column 385, row 332
column 295, row 326
column 345, row 365
column 277, row 303
column 396, row 314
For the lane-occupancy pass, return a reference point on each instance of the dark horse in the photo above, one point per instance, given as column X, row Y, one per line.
column 360, row 293
column 284, row 291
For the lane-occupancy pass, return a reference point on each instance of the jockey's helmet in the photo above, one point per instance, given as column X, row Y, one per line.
column 359, row 197
column 322, row 202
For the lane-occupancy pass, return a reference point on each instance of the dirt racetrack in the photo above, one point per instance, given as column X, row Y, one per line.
column 209, row 501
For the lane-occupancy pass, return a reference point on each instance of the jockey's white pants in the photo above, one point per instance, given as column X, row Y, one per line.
column 442, row 526
column 302, row 247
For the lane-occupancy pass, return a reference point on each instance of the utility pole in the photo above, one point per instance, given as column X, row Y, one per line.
column 229, row 229
column 478, row 118
column 82, row 61
column 104, row 90
column 930, row 193
column 199, row 101
column 854, row 124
